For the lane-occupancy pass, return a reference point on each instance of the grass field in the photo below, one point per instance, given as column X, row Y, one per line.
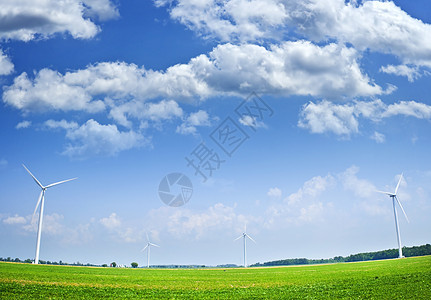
column 408, row 278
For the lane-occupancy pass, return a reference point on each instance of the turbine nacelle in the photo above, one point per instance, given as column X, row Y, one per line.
column 394, row 196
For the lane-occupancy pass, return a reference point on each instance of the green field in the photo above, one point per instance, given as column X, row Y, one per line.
column 408, row 278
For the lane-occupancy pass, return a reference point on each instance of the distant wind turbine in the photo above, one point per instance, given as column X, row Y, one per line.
column 148, row 246
column 395, row 197
column 244, row 235
column 41, row 201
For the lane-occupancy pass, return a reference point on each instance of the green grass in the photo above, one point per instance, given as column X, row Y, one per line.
column 408, row 278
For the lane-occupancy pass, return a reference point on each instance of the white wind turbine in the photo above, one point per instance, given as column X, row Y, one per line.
column 41, row 201
column 395, row 197
column 244, row 235
column 148, row 246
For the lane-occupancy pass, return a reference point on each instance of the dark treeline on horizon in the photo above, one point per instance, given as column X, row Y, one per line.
column 384, row 254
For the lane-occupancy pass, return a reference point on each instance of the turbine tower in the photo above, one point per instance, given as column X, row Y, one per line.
column 244, row 235
column 395, row 197
column 148, row 246
column 41, row 201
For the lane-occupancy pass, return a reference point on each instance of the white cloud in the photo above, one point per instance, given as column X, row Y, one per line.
column 251, row 121
column 409, row 108
column 378, row 137
column 6, row 66
column 182, row 222
column 229, row 20
column 63, row 124
column 343, row 119
column 111, row 222
column 51, row 224
column 102, row 9
column 412, row 73
column 15, row 220
column 328, row 117
column 377, row 25
column 29, row 19
column 304, row 206
column 291, row 68
column 311, row 189
column 360, row 187
column 196, row 119
column 313, row 202
column 274, row 192
column 23, row 124
column 49, row 91
column 163, row 110
column 92, row 138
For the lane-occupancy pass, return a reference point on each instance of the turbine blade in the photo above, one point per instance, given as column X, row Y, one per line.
column 56, row 183
column 148, row 239
column 386, row 193
column 145, row 248
column 399, row 203
column 398, row 185
column 151, row 244
column 35, row 179
column 37, row 205
column 250, row 237
column 238, row 238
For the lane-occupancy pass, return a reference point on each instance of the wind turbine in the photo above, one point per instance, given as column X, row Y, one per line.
column 41, row 201
column 395, row 197
column 244, row 235
column 148, row 246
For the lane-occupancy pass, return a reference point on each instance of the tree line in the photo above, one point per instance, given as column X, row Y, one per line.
column 384, row 254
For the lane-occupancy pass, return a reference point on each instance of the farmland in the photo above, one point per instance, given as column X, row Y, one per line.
column 389, row 279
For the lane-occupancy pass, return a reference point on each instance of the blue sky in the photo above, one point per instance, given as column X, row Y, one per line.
column 119, row 93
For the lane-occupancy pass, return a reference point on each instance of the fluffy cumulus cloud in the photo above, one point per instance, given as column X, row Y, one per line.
column 194, row 120
column 15, row 220
column 185, row 222
column 29, row 19
column 52, row 224
column 302, row 206
column 377, row 25
column 412, row 73
column 274, row 192
column 23, row 124
column 378, row 137
column 292, row 68
column 312, row 202
column 101, row 9
column 49, row 90
column 241, row 20
column 6, row 66
column 111, row 222
column 92, row 138
column 360, row 187
column 342, row 119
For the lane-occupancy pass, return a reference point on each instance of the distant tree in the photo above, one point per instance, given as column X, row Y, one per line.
column 113, row 264
column 134, row 264
column 104, row 265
